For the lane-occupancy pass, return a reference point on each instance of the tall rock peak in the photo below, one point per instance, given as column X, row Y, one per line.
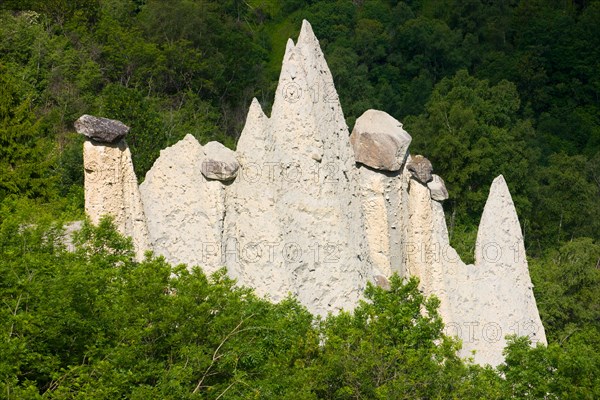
column 306, row 34
column 499, row 226
column 297, row 182
column 500, row 280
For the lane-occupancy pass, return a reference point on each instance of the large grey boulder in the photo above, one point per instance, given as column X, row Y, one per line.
column 420, row 168
column 379, row 141
column 437, row 187
column 219, row 162
column 100, row 129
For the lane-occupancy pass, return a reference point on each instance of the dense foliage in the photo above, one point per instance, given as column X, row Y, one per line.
column 84, row 320
column 485, row 87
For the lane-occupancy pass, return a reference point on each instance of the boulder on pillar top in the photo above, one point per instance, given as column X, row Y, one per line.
column 420, row 168
column 219, row 162
column 437, row 188
column 111, row 188
column 100, row 129
column 379, row 141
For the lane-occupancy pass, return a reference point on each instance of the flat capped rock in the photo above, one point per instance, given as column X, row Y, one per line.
column 437, row 188
column 420, row 168
column 101, row 129
column 379, row 141
column 219, row 162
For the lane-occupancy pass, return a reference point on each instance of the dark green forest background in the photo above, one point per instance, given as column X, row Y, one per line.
column 485, row 87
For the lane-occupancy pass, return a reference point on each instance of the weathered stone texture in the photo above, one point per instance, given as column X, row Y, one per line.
column 437, row 187
column 185, row 211
column 111, row 188
column 420, row 168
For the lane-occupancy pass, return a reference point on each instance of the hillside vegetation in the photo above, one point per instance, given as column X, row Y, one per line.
column 485, row 87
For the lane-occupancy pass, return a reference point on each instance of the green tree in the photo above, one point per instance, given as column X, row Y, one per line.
column 26, row 152
column 567, row 288
column 560, row 371
column 472, row 133
column 390, row 347
column 568, row 200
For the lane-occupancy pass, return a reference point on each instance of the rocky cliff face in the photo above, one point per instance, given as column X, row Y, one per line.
column 304, row 208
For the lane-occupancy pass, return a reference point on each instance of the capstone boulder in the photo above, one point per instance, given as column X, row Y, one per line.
column 100, row 129
column 219, row 162
column 437, row 188
column 379, row 141
column 420, row 168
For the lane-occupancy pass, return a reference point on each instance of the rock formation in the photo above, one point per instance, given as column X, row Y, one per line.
column 219, row 162
column 502, row 298
column 184, row 210
column 293, row 222
column 110, row 183
column 385, row 212
column 304, row 208
column 420, row 168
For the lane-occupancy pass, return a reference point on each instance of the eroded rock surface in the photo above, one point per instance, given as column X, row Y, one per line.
column 291, row 212
column 294, row 222
column 111, row 188
column 385, row 208
column 502, row 293
column 185, row 211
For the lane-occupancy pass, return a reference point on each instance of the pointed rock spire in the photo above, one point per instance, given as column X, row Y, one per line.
column 289, row 46
column 252, row 139
column 499, row 227
column 307, row 35
column 500, row 288
column 295, row 192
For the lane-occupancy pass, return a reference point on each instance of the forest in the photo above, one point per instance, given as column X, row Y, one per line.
column 484, row 87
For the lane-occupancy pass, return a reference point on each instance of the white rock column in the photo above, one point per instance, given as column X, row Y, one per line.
column 385, row 208
column 111, row 188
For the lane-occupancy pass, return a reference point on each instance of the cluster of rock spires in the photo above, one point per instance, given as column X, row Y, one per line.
column 304, row 208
